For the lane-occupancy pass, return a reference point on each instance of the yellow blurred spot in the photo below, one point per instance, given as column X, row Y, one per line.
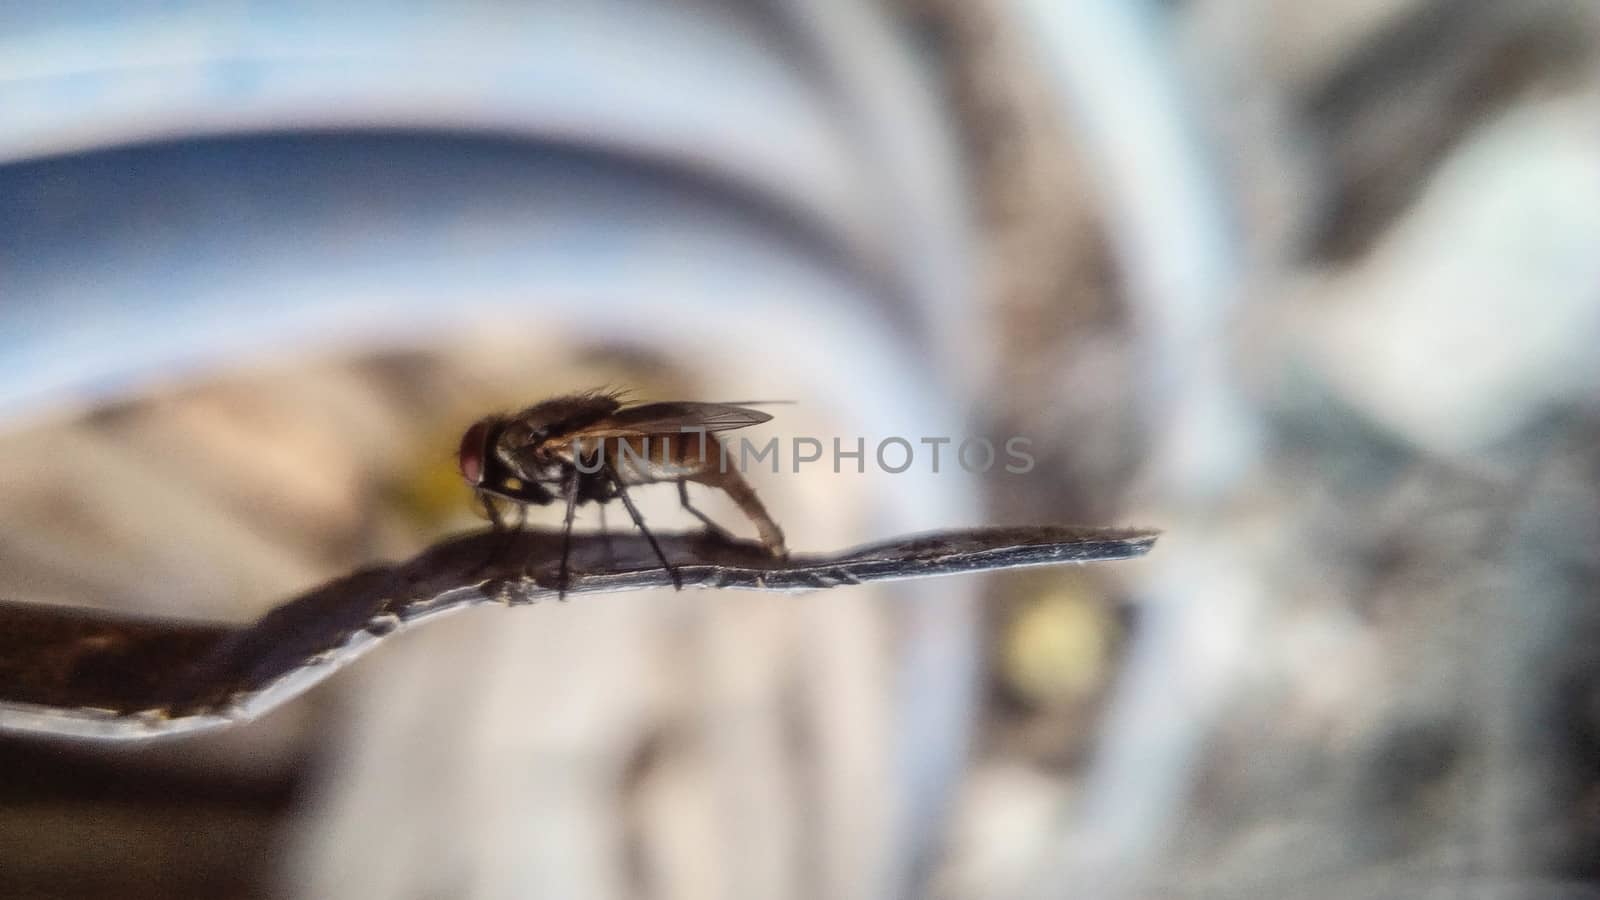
column 430, row 493
column 1056, row 649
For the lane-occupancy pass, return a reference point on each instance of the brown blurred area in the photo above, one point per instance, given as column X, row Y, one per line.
column 1420, row 226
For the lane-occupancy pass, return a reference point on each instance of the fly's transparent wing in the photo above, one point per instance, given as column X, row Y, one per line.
column 655, row 418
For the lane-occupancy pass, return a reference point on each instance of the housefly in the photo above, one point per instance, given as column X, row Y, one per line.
column 590, row 448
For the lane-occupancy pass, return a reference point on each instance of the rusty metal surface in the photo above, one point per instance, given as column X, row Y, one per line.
column 70, row 672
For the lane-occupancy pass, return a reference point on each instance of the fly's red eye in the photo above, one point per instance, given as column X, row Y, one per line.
column 471, row 453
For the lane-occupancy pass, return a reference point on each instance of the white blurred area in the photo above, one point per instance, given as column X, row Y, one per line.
column 1315, row 291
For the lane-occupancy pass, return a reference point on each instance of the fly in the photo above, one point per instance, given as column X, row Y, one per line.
column 590, row 448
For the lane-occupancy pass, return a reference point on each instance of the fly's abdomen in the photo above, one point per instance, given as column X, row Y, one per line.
column 647, row 458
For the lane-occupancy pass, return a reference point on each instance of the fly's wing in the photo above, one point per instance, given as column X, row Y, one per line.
column 672, row 418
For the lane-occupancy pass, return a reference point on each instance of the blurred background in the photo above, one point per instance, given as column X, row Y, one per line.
column 1313, row 288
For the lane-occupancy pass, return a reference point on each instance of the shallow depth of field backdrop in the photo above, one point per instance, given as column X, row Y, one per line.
column 1315, row 288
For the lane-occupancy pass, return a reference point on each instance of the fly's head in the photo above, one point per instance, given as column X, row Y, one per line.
column 473, row 456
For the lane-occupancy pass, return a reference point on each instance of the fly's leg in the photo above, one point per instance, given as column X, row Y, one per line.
column 622, row 493
column 497, row 524
column 730, row 482
column 569, row 489
column 514, row 531
column 721, row 534
column 605, row 533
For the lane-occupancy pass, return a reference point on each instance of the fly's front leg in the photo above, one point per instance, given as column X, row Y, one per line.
column 490, row 511
column 497, row 525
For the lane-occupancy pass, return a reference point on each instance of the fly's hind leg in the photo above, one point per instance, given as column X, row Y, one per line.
column 733, row 484
column 721, row 534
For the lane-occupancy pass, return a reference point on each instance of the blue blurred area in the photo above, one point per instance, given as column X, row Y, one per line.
column 132, row 263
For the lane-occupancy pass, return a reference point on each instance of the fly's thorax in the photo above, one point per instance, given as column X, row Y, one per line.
column 519, row 434
column 531, row 464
